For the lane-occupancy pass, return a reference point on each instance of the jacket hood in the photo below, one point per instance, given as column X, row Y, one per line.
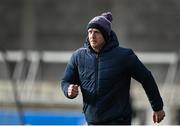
column 112, row 43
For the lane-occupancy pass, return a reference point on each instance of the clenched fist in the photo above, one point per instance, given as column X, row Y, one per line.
column 158, row 116
column 73, row 90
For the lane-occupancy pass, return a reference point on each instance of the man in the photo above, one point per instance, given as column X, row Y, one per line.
column 103, row 70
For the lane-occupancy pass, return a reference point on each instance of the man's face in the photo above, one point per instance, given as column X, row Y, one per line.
column 96, row 39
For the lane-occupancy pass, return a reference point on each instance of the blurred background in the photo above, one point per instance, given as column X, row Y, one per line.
column 37, row 38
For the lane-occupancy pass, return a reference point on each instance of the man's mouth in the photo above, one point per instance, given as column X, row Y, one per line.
column 93, row 41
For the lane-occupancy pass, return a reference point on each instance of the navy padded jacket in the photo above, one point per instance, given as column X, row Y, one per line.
column 104, row 80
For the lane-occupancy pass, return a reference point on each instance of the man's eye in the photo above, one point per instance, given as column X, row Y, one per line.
column 89, row 31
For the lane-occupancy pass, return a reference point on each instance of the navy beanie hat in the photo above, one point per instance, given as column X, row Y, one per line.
column 102, row 23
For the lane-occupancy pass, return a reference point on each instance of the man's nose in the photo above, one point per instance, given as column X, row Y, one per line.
column 93, row 35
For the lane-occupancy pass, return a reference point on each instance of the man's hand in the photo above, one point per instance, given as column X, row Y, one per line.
column 73, row 90
column 158, row 116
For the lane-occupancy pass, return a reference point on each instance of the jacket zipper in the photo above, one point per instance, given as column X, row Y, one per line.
column 96, row 81
column 97, row 66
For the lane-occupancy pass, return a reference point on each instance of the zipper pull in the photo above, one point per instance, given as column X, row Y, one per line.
column 97, row 55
